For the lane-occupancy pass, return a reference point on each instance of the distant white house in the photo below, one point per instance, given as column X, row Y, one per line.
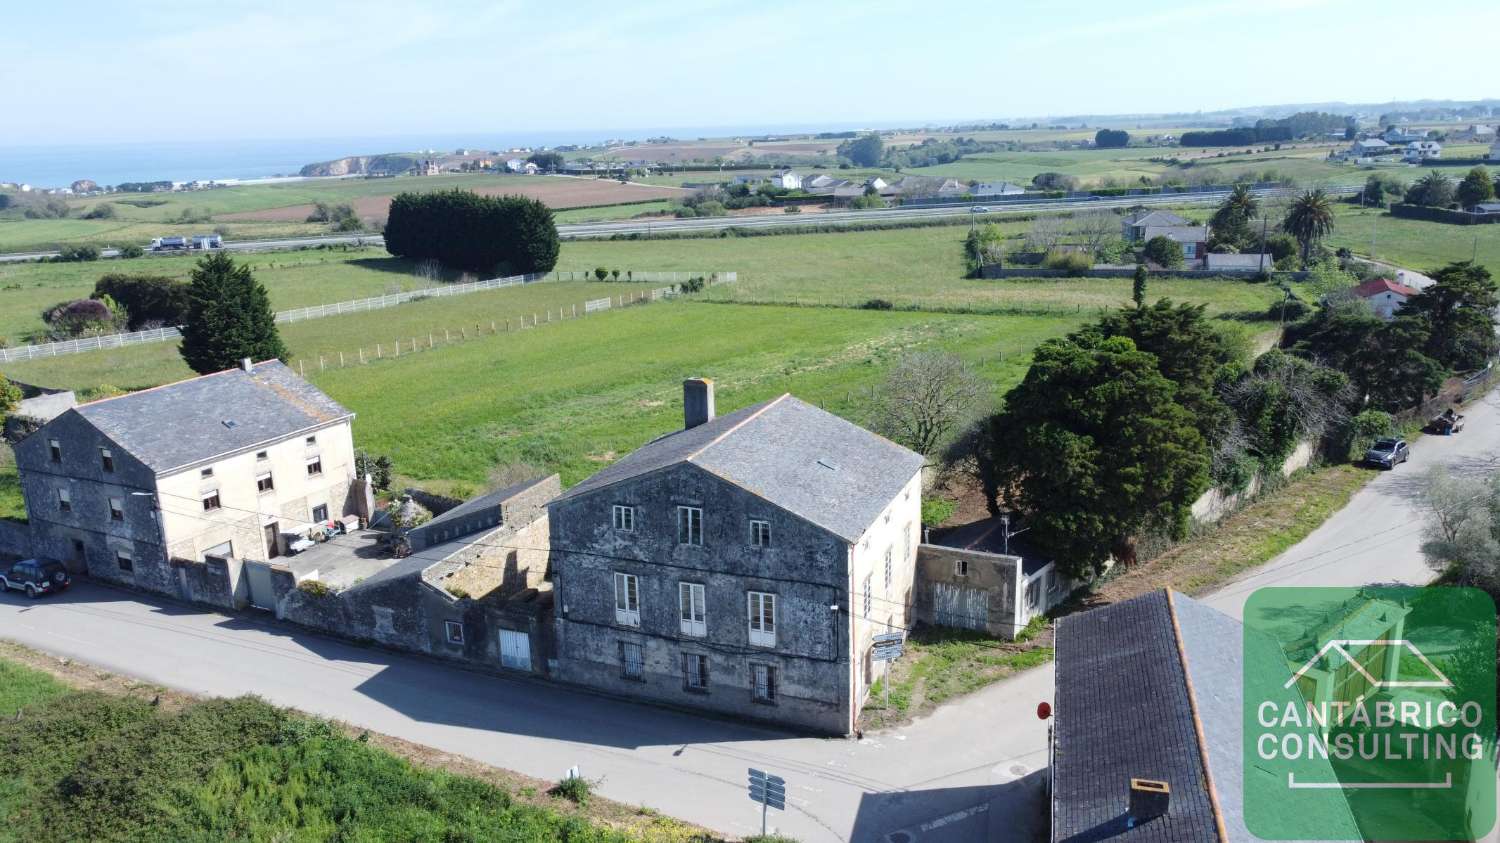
column 1385, row 296
column 1422, row 151
column 788, row 180
column 998, row 188
column 515, row 165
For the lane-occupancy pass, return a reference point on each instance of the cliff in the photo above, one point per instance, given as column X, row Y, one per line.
column 378, row 165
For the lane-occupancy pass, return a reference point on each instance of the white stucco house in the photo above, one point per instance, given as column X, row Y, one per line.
column 1422, row 151
column 1385, row 296
column 788, row 180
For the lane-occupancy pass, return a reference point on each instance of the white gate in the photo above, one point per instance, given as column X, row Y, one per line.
column 515, row 650
column 262, row 594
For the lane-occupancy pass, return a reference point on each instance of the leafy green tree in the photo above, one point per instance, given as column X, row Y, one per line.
column 1433, row 190
column 1310, row 219
column 1190, row 351
column 229, row 318
column 1111, row 139
column 10, row 398
column 1138, row 286
column 1379, row 187
column 1093, row 447
column 863, row 151
column 1457, row 315
column 1164, row 252
column 548, row 161
column 1230, row 224
column 146, row 298
column 1386, row 361
column 1475, row 188
column 474, row 233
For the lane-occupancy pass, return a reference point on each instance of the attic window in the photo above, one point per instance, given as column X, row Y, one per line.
column 828, row 465
column 230, row 423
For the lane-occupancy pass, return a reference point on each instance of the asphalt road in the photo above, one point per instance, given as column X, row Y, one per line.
column 597, row 230
column 970, row 772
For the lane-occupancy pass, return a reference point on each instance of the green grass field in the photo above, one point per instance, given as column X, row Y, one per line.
column 85, row 765
column 1417, row 244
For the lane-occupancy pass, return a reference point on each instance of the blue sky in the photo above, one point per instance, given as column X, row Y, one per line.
column 103, row 70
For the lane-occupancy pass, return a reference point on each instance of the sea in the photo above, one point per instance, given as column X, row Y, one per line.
column 58, row 165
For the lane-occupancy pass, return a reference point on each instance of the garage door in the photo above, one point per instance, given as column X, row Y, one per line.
column 515, row 650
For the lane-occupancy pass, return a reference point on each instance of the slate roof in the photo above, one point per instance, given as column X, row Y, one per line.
column 1155, row 218
column 830, row 472
column 1137, row 683
column 1376, row 286
column 182, row 423
column 1177, row 233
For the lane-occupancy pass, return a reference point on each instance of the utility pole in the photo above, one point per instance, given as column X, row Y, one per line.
column 1265, row 223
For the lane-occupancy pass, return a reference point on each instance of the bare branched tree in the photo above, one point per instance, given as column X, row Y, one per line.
column 429, row 271
column 925, row 398
column 1047, row 232
column 1461, row 533
column 1095, row 228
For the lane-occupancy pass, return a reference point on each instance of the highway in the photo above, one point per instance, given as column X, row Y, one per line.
column 668, row 225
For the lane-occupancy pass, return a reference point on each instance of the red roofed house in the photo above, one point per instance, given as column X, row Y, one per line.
column 1385, row 296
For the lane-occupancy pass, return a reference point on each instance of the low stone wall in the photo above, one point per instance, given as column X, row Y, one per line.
column 214, row 581
column 1214, row 504
column 15, row 539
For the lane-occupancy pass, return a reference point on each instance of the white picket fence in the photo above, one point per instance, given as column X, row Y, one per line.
column 596, row 305
column 302, row 314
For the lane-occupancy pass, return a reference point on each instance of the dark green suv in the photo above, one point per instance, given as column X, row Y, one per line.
column 36, row 578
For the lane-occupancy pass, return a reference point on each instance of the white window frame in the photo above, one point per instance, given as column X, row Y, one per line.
column 763, row 683
column 117, row 505
column 632, row 669
column 890, row 566
column 315, row 466
column 107, row 460
column 961, row 568
column 869, row 598
column 695, row 666
column 622, row 517
column 692, row 609
column 54, row 450
column 270, row 483
column 627, row 599
column 690, row 525
column 124, row 562
column 261, row 456
column 314, row 513
column 453, row 631
column 760, row 609
column 760, row 533
column 205, row 473
column 212, row 495
column 64, row 499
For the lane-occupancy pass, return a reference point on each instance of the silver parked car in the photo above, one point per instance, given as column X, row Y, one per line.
column 1387, row 452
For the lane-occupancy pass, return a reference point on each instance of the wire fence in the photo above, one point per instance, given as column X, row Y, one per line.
column 449, row 336
column 302, row 314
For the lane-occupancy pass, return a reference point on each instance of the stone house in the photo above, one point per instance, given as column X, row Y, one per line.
column 226, row 465
column 479, row 596
column 741, row 564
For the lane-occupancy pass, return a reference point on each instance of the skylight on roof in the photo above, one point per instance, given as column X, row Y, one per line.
column 230, row 423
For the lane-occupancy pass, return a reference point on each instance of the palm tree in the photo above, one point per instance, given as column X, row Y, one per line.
column 1310, row 219
column 1243, row 201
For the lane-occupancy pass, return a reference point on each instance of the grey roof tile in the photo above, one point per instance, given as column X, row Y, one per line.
column 810, row 462
column 181, row 423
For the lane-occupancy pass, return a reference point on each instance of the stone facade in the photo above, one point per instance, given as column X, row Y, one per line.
column 986, row 592
column 821, row 632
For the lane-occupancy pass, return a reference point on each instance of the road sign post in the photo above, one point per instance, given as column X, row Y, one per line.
column 769, row 791
column 887, row 647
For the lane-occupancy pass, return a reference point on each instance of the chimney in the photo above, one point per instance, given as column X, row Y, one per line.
column 246, row 363
column 1148, row 800
column 697, row 402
